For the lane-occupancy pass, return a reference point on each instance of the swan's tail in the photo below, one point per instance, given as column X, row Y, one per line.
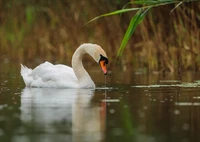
column 26, row 75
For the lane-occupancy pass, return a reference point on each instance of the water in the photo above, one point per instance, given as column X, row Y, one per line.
column 130, row 107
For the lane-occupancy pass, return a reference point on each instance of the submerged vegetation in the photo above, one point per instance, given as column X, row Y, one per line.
column 51, row 30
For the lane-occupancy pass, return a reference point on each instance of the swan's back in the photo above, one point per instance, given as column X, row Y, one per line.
column 49, row 75
column 61, row 76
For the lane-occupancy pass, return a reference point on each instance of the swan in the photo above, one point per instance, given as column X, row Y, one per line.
column 62, row 76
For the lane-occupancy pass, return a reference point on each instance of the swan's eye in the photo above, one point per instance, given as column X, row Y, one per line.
column 102, row 58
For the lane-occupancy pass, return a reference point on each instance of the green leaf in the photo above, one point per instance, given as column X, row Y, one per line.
column 135, row 21
column 113, row 13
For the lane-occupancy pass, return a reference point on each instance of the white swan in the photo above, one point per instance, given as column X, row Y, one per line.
column 62, row 76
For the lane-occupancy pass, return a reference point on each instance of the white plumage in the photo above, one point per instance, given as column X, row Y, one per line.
column 62, row 76
column 49, row 75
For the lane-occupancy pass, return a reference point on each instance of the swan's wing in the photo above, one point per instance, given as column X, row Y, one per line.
column 49, row 75
column 26, row 75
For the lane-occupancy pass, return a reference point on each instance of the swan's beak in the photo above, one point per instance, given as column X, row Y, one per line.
column 103, row 66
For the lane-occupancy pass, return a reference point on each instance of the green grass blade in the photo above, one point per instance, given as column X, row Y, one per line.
column 135, row 21
column 113, row 13
column 148, row 4
column 153, row 3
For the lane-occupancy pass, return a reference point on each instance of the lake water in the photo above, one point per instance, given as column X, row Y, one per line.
column 132, row 106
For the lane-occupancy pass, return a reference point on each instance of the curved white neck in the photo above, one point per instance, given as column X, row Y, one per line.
column 82, row 75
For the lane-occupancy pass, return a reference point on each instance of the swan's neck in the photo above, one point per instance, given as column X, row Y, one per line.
column 82, row 75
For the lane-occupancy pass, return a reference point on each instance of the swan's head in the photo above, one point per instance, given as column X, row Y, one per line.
column 98, row 54
column 102, row 62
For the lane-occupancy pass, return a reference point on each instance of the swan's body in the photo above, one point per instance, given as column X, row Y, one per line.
column 62, row 76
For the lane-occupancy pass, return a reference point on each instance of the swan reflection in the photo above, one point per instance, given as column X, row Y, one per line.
column 62, row 114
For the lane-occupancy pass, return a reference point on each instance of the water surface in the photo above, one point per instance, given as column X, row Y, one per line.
column 132, row 106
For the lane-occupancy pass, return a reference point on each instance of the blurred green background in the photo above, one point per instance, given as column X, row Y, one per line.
column 38, row 30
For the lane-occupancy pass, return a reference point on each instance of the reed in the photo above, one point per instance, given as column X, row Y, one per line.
column 146, row 5
column 156, row 40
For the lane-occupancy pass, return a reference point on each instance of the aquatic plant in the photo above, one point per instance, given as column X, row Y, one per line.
column 142, row 9
column 51, row 30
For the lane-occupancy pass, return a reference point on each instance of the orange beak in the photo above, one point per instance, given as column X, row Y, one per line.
column 103, row 66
